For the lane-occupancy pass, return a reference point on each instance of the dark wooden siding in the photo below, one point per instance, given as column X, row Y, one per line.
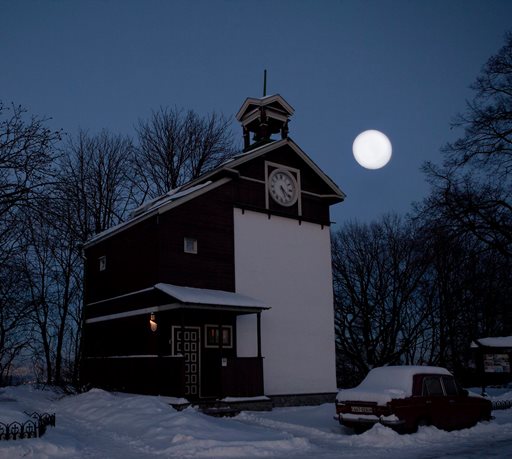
column 243, row 377
column 129, row 345
column 152, row 251
column 121, row 337
column 251, row 195
column 142, row 375
column 285, row 156
column 131, row 262
column 209, row 219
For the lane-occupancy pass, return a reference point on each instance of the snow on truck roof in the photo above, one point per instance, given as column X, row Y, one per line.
column 383, row 384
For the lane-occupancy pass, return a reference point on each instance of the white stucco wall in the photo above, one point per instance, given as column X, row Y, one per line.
column 288, row 266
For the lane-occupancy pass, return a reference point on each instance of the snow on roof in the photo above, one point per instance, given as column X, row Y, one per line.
column 383, row 384
column 147, row 207
column 495, row 341
column 172, row 195
column 192, row 295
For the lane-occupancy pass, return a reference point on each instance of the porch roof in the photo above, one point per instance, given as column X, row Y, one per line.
column 211, row 299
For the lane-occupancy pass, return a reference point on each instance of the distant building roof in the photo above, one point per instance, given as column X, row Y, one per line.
column 493, row 341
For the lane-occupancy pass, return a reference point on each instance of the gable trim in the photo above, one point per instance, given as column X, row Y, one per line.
column 241, row 310
column 264, row 101
column 144, row 290
column 267, row 148
column 288, row 141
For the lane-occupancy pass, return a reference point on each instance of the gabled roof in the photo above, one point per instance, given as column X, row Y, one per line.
column 493, row 341
column 170, row 196
column 177, row 297
column 267, row 148
column 211, row 180
column 275, row 102
column 159, row 205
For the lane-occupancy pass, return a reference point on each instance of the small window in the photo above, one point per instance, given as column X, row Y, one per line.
column 102, row 263
column 212, row 336
column 432, row 387
column 190, row 245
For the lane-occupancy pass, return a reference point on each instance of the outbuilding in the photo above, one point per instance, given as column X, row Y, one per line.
column 492, row 357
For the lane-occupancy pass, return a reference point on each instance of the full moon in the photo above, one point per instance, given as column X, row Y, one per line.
column 372, row 149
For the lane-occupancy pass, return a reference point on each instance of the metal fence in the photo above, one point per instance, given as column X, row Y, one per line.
column 501, row 404
column 33, row 428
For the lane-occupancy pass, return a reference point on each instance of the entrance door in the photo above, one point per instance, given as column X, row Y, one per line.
column 187, row 342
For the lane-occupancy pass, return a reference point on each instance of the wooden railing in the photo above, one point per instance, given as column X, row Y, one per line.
column 242, row 377
column 139, row 374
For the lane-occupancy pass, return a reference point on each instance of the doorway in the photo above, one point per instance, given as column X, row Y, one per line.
column 187, row 342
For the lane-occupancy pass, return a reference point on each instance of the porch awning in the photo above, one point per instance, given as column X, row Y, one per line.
column 166, row 297
column 200, row 298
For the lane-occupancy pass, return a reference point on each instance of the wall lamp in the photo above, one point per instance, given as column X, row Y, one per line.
column 152, row 322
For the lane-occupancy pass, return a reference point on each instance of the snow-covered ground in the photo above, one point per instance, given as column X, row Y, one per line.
column 98, row 424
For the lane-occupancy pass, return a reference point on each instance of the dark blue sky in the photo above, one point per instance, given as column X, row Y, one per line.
column 402, row 67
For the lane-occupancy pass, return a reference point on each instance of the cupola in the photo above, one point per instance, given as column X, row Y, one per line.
column 264, row 117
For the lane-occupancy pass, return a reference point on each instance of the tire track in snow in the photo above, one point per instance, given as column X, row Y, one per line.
column 312, row 434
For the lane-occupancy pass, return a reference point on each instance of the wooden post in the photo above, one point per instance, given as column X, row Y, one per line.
column 182, row 347
column 258, row 321
column 221, row 388
column 260, row 358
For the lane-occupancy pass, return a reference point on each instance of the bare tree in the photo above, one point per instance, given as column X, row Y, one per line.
column 91, row 192
column 94, row 193
column 37, row 268
column 469, row 293
column 472, row 191
column 487, row 122
column 14, row 312
column 378, row 270
column 176, row 146
column 26, row 155
column 95, row 182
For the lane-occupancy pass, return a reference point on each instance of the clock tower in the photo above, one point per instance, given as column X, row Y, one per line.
column 282, row 252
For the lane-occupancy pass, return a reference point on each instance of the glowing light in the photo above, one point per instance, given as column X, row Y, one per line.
column 152, row 322
column 372, row 149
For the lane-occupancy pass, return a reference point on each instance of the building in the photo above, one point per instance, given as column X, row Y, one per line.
column 223, row 287
column 491, row 358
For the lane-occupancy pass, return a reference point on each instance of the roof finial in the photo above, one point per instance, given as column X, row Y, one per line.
column 264, row 82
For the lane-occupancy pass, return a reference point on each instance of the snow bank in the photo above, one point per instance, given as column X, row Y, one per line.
column 100, row 425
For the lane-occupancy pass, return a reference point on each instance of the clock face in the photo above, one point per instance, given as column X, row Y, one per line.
column 282, row 187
